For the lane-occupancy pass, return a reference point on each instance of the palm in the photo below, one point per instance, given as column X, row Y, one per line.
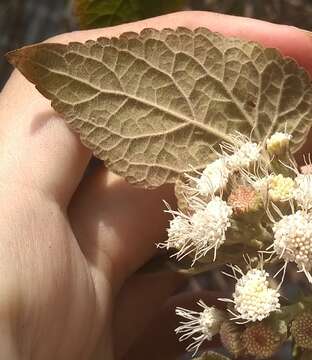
column 73, row 263
column 56, row 284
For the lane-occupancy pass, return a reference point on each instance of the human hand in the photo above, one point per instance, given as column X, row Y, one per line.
column 69, row 250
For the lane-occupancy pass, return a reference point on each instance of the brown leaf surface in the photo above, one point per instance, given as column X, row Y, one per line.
column 151, row 105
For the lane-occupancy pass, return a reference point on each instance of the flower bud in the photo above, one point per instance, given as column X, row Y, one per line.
column 244, row 199
column 230, row 335
column 278, row 143
column 280, row 187
column 301, row 330
column 261, row 341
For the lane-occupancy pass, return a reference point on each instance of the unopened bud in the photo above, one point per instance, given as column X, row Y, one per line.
column 230, row 335
column 261, row 341
column 278, row 143
column 301, row 330
column 280, row 187
column 244, row 199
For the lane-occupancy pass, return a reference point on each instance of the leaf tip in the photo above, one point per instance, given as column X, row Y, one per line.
column 13, row 57
column 18, row 57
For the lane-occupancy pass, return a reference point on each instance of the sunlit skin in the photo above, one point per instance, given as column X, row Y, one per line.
column 69, row 249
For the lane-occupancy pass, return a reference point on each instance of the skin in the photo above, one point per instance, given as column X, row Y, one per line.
column 70, row 247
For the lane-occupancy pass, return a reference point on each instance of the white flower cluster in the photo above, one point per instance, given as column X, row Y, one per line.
column 303, row 191
column 199, row 326
column 204, row 229
column 284, row 188
column 253, row 298
column 241, row 154
column 212, row 200
column 247, row 154
column 214, row 178
column 293, row 240
column 200, row 232
column 210, row 223
column 280, row 188
column 292, row 234
column 278, row 143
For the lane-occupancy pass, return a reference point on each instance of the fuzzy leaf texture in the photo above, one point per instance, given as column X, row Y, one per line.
column 99, row 13
column 151, row 105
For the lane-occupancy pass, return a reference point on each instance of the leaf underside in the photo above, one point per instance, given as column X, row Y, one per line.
column 152, row 105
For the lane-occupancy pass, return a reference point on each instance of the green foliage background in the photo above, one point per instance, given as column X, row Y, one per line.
column 99, row 13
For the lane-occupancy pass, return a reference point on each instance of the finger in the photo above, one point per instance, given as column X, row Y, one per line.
column 116, row 224
column 39, row 150
column 140, row 299
column 159, row 340
column 289, row 40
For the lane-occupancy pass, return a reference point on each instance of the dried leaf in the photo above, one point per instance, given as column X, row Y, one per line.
column 151, row 105
column 99, row 13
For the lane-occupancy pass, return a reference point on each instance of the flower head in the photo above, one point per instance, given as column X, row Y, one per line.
column 200, row 232
column 178, row 234
column 293, row 240
column 253, row 298
column 301, row 330
column 280, row 188
column 244, row 199
column 242, row 153
column 303, row 191
column 210, row 222
column 261, row 340
column 278, row 143
column 230, row 336
column 247, row 154
column 213, row 179
column 199, row 326
column 260, row 184
column 239, row 154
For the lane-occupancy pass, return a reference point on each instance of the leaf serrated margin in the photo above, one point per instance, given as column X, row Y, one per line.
column 216, row 85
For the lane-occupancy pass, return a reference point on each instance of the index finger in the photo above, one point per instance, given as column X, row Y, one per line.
column 291, row 41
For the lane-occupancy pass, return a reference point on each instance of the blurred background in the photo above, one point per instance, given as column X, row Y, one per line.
column 27, row 21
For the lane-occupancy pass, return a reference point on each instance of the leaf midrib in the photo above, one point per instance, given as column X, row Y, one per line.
column 230, row 95
column 199, row 125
